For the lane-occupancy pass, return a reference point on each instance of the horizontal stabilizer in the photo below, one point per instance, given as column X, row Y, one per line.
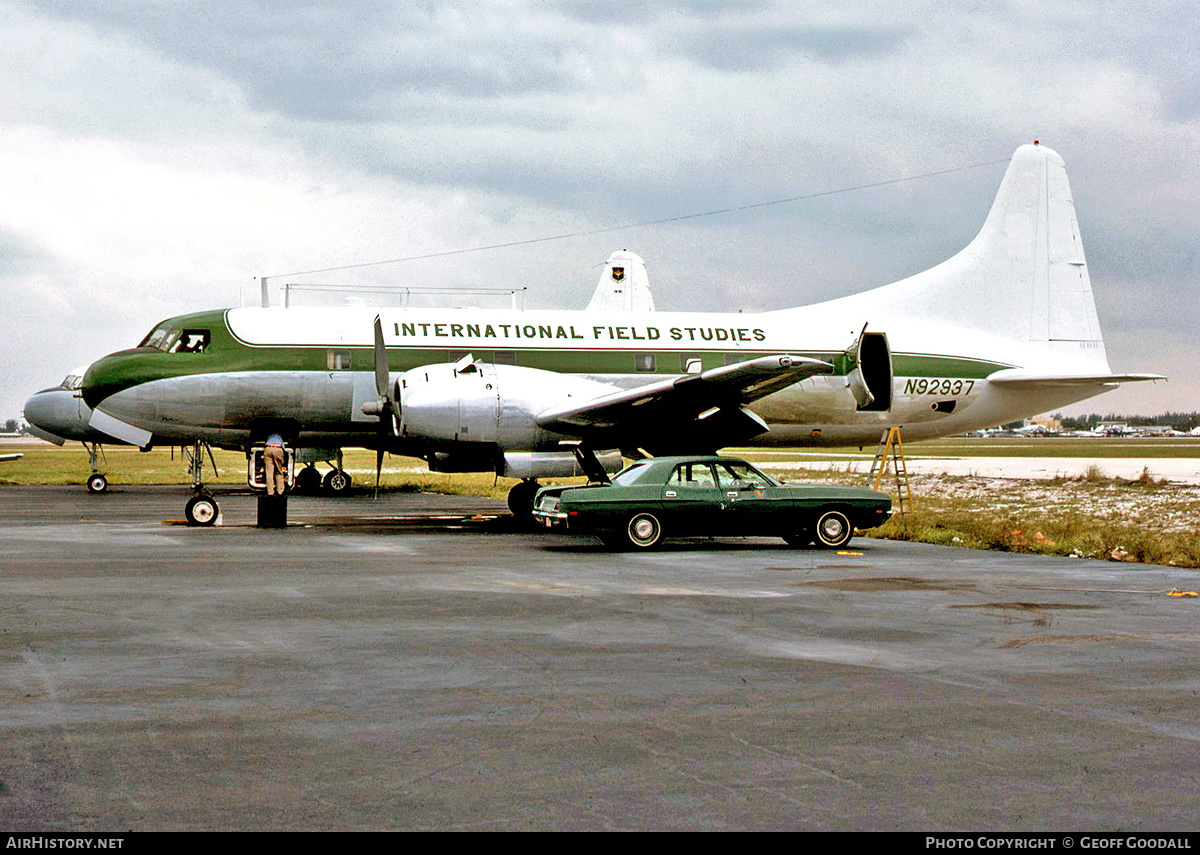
column 1016, row 378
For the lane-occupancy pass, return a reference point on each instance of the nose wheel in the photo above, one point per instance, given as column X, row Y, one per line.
column 96, row 482
column 202, row 510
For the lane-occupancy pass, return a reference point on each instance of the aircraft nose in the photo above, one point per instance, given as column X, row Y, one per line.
column 38, row 410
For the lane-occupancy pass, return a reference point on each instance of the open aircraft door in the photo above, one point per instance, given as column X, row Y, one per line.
column 870, row 376
column 256, row 468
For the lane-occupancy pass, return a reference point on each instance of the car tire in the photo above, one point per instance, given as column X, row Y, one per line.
column 643, row 531
column 832, row 529
column 201, row 511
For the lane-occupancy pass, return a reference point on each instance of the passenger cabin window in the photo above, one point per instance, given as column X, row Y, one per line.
column 504, row 357
column 645, row 362
column 337, row 360
column 691, row 363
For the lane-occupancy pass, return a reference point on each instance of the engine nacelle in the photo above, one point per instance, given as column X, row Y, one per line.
column 448, row 404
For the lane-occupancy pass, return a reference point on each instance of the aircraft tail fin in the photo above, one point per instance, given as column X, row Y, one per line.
column 624, row 285
column 1024, row 276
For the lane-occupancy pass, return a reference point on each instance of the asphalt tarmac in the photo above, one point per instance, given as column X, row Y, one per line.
column 416, row 663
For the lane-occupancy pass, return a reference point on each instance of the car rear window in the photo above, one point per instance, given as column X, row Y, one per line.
column 630, row 474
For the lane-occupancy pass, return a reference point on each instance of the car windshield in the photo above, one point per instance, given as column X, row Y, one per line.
column 631, row 473
column 728, row 473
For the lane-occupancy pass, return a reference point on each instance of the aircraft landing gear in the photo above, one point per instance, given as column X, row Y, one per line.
column 202, row 509
column 308, row 480
column 520, row 500
column 337, row 482
column 96, row 482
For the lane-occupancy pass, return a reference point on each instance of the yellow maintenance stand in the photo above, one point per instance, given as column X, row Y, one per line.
column 891, row 450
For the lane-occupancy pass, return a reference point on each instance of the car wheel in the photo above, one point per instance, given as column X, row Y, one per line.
column 97, row 483
column 797, row 540
column 644, row 531
column 201, row 510
column 832, row 530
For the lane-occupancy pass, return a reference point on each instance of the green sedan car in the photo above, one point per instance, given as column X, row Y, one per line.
column 709, row 496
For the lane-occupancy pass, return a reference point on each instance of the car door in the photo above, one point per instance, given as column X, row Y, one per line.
column 692, row 500
column 752, row 504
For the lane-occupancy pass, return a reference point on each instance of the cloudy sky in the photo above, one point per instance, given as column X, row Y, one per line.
column 158, row 157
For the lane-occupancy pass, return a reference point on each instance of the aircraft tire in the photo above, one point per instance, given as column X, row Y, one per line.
column 520, row 500
column 337, row 482
column 308, row 480
column 97, row 483
column 797, row 540
column 644, row 531
column 202, row 511
column 832, row 529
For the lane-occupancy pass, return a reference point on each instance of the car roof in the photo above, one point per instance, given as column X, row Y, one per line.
column 675, row 460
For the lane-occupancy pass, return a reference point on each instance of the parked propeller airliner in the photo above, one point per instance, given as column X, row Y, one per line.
column 59, row 414
column 1005, row 329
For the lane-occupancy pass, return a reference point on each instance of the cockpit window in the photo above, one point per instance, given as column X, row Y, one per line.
column 161, row 338
column 73, row 381
column 175, row 340
column 192, row 341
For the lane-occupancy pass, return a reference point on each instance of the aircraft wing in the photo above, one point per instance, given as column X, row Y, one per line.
column 696, row 410
column 1016, row 378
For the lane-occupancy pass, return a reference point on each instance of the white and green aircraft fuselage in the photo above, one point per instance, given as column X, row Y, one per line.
column 1005, row 329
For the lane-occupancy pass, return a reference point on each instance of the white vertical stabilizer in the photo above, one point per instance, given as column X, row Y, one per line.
column 624, row 285
column 1024, row 276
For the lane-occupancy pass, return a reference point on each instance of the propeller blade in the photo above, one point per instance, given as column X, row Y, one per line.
column 381, row 363
column 378, row 469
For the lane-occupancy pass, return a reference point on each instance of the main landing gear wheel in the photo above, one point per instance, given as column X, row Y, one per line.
column 832, row 530
column 308, row 480
column 520, row 500
column 644, row 531
column 202, row 510
column 337, row 482
column 797, row 540
column 97, row 483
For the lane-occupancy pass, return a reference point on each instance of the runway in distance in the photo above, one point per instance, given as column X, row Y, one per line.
column 1005, row 329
